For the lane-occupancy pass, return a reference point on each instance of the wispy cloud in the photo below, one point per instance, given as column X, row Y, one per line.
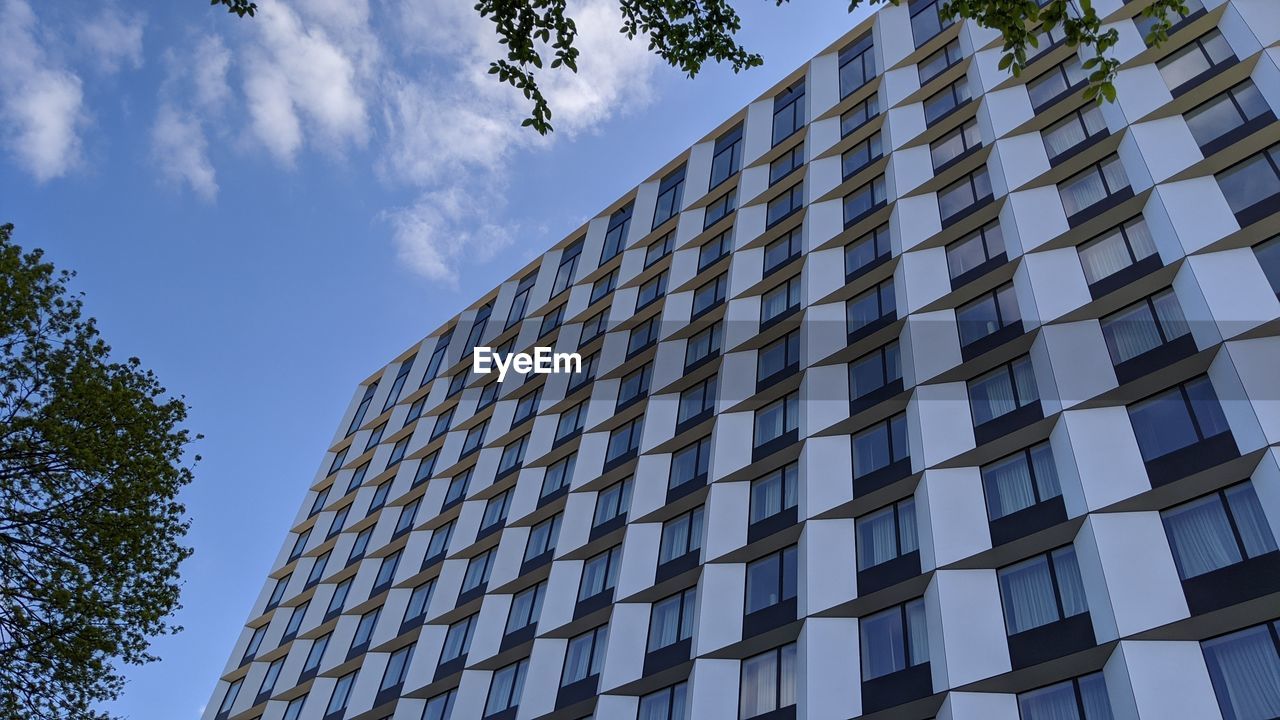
column 42, row 103
column 112, row 39
column 181, row 152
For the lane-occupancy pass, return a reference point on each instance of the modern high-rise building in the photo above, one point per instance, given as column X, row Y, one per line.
column 912, row 390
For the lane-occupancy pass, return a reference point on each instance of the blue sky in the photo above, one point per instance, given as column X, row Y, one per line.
column 265, row 211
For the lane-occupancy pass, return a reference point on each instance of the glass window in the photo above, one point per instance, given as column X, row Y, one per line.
column 1252, row 182
column 1268, row 254
column 726, row 158
column 1245, row 670
column 419, row 599
column 526, row 607
column 774, row 492
column 616, row 236
column 1176, row 418
column 988, row 313
column 857, row 64
column 658, row 249
column 1075, row 129
column 670, row 703
column 1146, row 23
column 672, row 619
column 938, row 61
column 393, row 395
column 341, row 693
column 317, row 568
column 780, row 300
column 778, row 418
column 415, row 411
column 559, row 474
column 339, row 520
column 426, row 466
column 1116, row 249
column 571, row 421
column 642, row 336
column 375, row 437
column 229, row 697
column 866, row 250
column 316, row 653
column 293, row 710
column 1083, row 698
column 584, row 657
column 1097, row 183
column 512, row 454
column 357, row 478
column 269, row 679
column 634, row 384
column 339, row 597
column 457, row 487
column 441, row 426
column 624, row 440
column 690, row 463
column 886, row 534
column 439, row 707
column 880, row 445
column 859, row 115
column 974, row 249
column 870, row 306
column 704, row 344
column 710, row 294
column 788, row 112
column 543, row 537
column 568, row 267
column 955, row 143
column 439, row 540
column 1225, row 112
column 768, row 682
column 772, row 579
column 457, row 641
column 602, row 287
column 1195, row 58
column 478, row 325
column 1003, row 390
column 437, row 357
column 1144, row 326
column 397, row 668
column 778, row 355
column 1017, row 482
column 949, row 98
column 1059, row 80
column 505, row 688
column 277, row 593
column 255, row 642
column 387, row 569
column 1217, row 530
column 965, row 193
column 321, row 498
column 780, row 251
column 600, row 573
column 474, row 438
column 357, row 419
column 927, row 20
column 681, row 535
column 874, row 370
column 478, row 569
column 719, row 210
column 696, row 400
column 551, row 321
column 670, row 195
column 364, row 628
column 651, row 290
column 495, row 510
column 861, row 155
column 864, row 200
column 520, row 301
column 785, row 164
column 408, row 514
column 612, row 502
column 1042, row 590
column 711, row 251
column 784, row 205
column 894, row 640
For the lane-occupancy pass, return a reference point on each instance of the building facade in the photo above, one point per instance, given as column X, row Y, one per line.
column 913, row 390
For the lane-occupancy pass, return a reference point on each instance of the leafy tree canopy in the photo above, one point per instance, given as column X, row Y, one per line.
column 91, row 463
column 687, row 33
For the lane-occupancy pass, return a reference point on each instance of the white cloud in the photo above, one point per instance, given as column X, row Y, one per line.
column 42, row 104
column 458, row 127
column 180, row 149
column 443, row 228
column 297, row 74
column 209, row 74
column 112, row 39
